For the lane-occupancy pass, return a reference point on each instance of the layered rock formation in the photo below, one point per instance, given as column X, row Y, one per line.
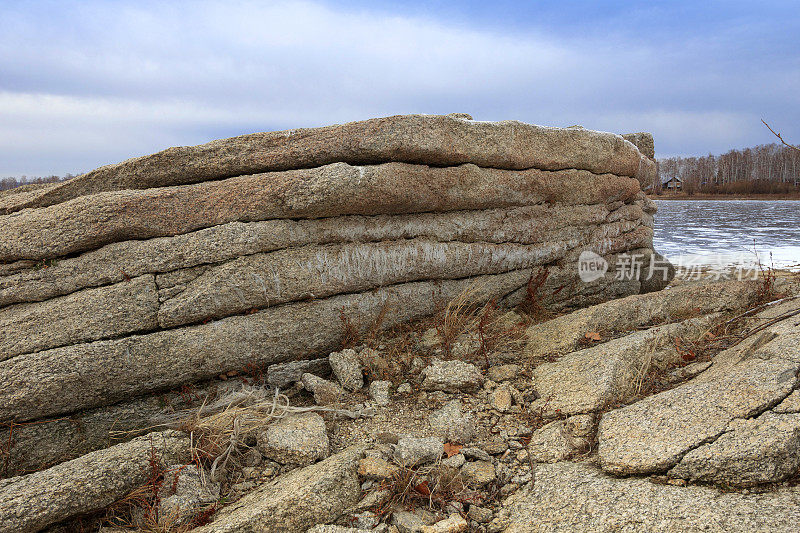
column 174, row 268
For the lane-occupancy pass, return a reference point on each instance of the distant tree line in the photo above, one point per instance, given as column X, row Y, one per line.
column 12, row 183
column 763, row 169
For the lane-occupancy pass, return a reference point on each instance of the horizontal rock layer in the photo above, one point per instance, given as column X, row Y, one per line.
column 90, row 483
column 89, row 222
column 421, row 139
column 171, row 269
column 570, row 497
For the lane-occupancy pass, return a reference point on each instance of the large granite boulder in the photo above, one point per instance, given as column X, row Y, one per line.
column 172, row 269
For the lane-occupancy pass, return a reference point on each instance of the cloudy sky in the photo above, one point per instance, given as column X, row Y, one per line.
column 88, row 83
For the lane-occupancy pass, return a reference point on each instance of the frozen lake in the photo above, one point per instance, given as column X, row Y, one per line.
column 729, row 232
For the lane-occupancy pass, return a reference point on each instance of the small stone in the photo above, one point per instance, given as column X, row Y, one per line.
column 480, row 514
column 495, row 447
column 376, row 469
column 347, row 368
column 184, row 494
column 430, row 339
column 283, row 375
column 454, row 524
column 325, row 392
column 251, row 457
column 550, row 444
column 452, row 424
column 387, row 437
column 503, row 372
column 476, row 454
column 455, row 461
column 407, row 522
column 479, row 473
column 404, row 388
column 412, row 451
column 296, row 439
column 379, row 391
column 501, row 399
column 581, row 425
column 452, row 376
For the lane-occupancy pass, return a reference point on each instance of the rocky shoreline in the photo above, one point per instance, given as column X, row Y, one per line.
column 382, row 326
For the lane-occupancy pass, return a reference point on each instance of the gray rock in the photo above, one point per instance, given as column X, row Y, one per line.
column 479, row 473
column 452, row 424
column 590, row 380
column 577, row 497
column 653, row 434
column 644, row 142
column 379, row 392
column 376, row 469
column 475, row 453
column 296, row 501
column 184, row 494
column 553, row 223
column 452, row 376
column 325, row 392
column 413, row 451
column 408, row 522
column 286, row 374
column 84, row 316
column 347, row 368
column 501, row 398
column 427, row 139
column 761, row 450
column 551, row 443
column 86, row 484
column 78, row 376
column 298, row 439
column 564, row 334
column 70, row 227
column 503, row 372
column 790, row 405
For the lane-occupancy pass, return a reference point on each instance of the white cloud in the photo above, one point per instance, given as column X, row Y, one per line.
column 94, row 82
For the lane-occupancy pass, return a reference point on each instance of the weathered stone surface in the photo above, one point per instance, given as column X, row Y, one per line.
column 83, row 316
column 325, row 392
column 550, row 444
column 451, row 376
column 564, row 334
column 49, row 442
column 503, row 372
column 790, row 405
column 262, row 280
column 67, row 379
column 412, row 451
column 427, row 139
column 184, row 494
column 592, row 379
column 655, row 433
column 453, row 524
column 656, row 274
column 479, row 473
column 452, row 424
column 376, row 468
column 347, row 368
column 501, row 398
column 86, row 484
column 322, row 192
column 286, row 374
column 111, row 263
column 644, row 142
column 299, row 439
column 577, row 497
column 761, row 450
column 379, row 392
column 295, row 501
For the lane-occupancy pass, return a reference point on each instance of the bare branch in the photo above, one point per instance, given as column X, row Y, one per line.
column 778, row 135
